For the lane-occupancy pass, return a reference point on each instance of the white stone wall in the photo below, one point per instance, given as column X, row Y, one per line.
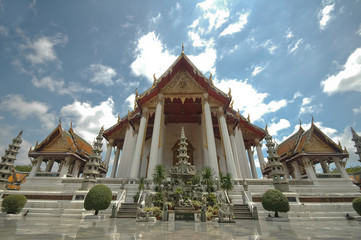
column 145, row 156
column 220, row 154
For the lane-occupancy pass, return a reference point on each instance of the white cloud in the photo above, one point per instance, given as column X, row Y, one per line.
column 155, row 19
column 348, row 79
column 130, row 101
column 88, row 119
column 306, row 106
column 297, row 95
column 32, row 7
column 269, row 45
column 274, row 128
column 205, row 61
column 4, row 31
column 59, row 86
column 197, row 41
column 288, row 34
column 238, row 26
column 21, row 109
column 294, row 47
column 102, row 74
column 216, row 12
column 357, row 110
column 257, row 70
column 248, row 100
column 151, row 57
column 42, row 49
column 325, row 15
column 359, row 30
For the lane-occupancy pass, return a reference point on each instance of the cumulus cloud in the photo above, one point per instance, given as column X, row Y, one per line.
column 216, row 12
column 274, row 128
column 347, row 79
column 237, row 26
column 149, row 47
column 101, row 74
column 257, row 70
column 269, row 45
column 306, row 106
column 87, row 119
column 130, row 101
column 19, row 107
column 206, row 60
column 325, row 15
column 41, row 50
column 288, row 34
column 356, row 110
column 59, row 86
column 359, row 30
column 248, row 100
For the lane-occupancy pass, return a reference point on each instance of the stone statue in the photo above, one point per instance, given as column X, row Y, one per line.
column 225, row 211
column 181, row 201
column 165, row 212
column 142, row 216
column 149, row 200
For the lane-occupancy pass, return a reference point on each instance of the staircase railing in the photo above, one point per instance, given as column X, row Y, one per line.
column 120, row 199
column 140, row 196
column 251, row 206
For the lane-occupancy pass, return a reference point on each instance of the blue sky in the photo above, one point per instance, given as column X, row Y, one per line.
column 82, row 60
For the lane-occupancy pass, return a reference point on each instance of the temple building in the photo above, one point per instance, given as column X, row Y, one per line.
column 66, row 149
column 218, row 136
column 302, row 151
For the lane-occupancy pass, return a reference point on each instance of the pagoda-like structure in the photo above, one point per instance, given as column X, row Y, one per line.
column 276, row 169
column 218, row 136
column 91, row 168
column 183, row 168
column 7, row 161
column 357, row 140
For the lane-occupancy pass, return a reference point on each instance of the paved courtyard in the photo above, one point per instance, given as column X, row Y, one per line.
column 72, row 228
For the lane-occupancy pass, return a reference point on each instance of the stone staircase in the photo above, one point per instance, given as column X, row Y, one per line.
column 241, row 211
column 127, row 210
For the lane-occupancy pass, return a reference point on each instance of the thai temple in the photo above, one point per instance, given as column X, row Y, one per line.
column 184, row 101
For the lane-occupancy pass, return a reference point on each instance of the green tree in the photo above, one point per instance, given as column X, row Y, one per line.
column 98, row 198
column 356, row 204
column 23, row 168
column 208, row 178
column 158, row 175
column 226, row 181
column 13, row 204
column 274, row 200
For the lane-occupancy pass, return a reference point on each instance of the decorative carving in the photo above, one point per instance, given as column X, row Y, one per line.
column 316, row 145
column 182, row 83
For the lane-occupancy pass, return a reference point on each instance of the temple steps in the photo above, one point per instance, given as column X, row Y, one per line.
column 127, row 210
column 241, row 211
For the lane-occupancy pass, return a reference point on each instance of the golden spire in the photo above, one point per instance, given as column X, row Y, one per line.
column 60, row 121
column 210, row 79
column 237, row 113
column 182, row 48
column 300, row 122
column 232, row 104
column 229, row 93
column 71, row 124
column 248, row 118
column 136, row 93
column 312, row 118
column 118, row 118
column 339, row 144
column 129, row 114
column 266, row 128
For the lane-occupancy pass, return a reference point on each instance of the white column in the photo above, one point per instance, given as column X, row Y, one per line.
column 285, row 168
column 262, row 163
column 309, row 168
column 153, row 158
column 241, row 150
column 76, row 168
column 212, row 153
column 235, row 155
column 204, row 144
column 251, row 161
column 297, row 170
column 123, row 163
column 65, row 168
column 340, row 168
column 324, row 166
column 36, row 167
column 134, row 172
column 227, row 144
column 49, row 166
column 115, row 162
column 109, row 152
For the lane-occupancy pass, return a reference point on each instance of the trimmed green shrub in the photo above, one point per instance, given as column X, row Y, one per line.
column 356, row 204
column 98, row 198
column 274, row 200
column 13, row 204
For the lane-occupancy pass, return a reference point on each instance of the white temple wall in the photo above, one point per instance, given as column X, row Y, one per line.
column 193, row 134
column 220, row 156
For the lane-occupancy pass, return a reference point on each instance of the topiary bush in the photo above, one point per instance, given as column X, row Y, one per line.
column 13, row 204
column 98, row 198
column 274, row 200
column 356, row 204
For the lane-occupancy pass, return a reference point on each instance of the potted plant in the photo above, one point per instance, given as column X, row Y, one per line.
column 136, row 197
column 197, row 204
column 208, row 179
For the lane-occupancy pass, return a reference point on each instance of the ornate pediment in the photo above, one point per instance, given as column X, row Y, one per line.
column 182, row 83
column 314, row 144
column 59, row 144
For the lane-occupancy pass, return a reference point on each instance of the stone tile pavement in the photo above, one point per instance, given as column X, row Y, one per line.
column 73, row 228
